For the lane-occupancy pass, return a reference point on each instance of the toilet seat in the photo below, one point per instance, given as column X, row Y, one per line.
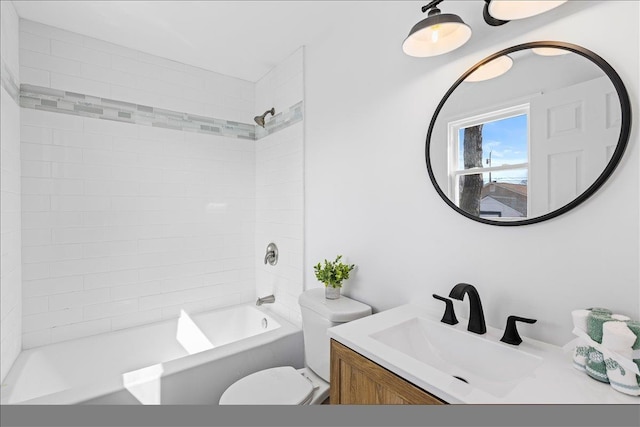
column 276, row 386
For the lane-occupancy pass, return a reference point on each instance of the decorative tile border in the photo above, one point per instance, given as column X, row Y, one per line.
column 8, row 82
column 281, row 121
column 59, row 101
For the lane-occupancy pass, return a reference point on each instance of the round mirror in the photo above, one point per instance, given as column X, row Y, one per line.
column 528, row 133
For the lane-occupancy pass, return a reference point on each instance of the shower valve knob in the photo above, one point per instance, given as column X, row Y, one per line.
column 271, row 257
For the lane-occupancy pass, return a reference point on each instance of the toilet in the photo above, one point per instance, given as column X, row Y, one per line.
column 286, row 385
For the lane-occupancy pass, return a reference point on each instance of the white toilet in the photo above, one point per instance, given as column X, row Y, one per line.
column 286, row 385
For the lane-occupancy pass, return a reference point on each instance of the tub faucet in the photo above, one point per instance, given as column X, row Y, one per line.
column 476, row 315
column 270, row 299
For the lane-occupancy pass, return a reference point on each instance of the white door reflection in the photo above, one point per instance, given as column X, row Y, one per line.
column 576, row 130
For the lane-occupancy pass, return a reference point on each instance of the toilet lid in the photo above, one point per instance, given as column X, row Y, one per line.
column 276, row 386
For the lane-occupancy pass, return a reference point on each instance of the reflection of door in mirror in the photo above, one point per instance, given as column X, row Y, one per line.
column 576, row 129
column 488, row 171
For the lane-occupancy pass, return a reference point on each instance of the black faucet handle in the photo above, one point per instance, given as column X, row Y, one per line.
column 511, row 335
column 449, row 316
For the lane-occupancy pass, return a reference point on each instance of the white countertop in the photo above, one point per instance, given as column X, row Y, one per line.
column 554, row 381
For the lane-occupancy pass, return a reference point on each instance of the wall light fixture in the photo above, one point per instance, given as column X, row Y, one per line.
column 441, row 32
column 509, row 10
column 437, row 34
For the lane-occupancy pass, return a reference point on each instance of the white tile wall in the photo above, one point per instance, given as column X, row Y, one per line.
column 280, row 191
column 283, row 86
column 59, row 59
column 124, row 224
column 10, row 272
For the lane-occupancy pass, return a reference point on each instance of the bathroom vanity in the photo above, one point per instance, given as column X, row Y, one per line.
column 356, row 380
column 407, row 356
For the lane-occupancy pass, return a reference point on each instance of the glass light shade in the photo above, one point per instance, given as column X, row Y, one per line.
column 550, row 51
column 509, row 10
column 491, row 70
column 436, row 35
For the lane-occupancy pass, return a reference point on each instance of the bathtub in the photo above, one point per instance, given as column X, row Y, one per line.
column 189, row 360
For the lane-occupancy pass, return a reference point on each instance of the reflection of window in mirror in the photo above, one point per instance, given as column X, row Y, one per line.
column 489, row 163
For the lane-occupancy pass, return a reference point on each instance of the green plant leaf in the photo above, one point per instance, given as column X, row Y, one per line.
column 333, row 273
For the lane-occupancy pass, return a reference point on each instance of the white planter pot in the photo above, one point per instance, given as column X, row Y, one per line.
column 331, row 293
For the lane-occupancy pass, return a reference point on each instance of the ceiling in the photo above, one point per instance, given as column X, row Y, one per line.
column 244, row 39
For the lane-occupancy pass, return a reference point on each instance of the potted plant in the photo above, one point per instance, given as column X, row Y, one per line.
column 332, row 274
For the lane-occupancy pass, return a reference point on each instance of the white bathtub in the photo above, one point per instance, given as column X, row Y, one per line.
column 190, row 360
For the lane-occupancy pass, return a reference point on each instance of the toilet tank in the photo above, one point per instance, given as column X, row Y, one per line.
column 318, row 315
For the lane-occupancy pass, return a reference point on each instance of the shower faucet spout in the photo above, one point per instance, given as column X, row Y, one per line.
column 269, row 299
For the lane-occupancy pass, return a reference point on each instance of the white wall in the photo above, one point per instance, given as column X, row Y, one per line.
column 10, row 272
column 279, row 190
column 368, row 195
column 125, row 224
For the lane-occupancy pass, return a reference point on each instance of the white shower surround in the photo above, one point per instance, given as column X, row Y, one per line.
column 280, row 190
column 161, row 363
column 126, row 224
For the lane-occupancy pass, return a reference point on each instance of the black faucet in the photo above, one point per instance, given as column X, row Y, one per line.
column 511, row 335
column 476, row 315
column 449, row 316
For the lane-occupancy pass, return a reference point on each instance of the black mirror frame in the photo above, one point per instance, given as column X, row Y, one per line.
column 625, row 130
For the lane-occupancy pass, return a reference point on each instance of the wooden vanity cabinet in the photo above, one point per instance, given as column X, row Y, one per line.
column 356, row 380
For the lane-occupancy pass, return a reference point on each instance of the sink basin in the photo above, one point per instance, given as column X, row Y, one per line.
column 459, row 366
column 479, row 360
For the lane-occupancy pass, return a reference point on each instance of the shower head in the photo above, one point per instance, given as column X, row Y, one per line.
column 260, row 119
